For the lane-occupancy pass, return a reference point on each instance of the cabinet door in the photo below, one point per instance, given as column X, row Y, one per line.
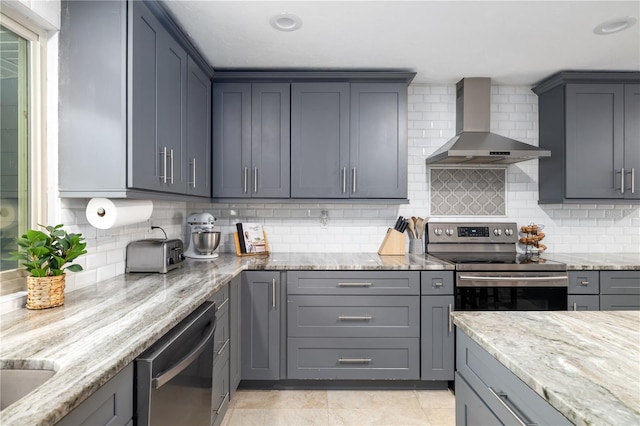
column 437, row 340
column 583, row 302
column 595, row 154
column 260, row 325
column 319, row 140
column 172, row 112
column 198, row 157
column 145, row 164
column 378, row 140
column 231, row 160
column 235, row 361
column 632, row 140
column 470, row 408
column 270, row 140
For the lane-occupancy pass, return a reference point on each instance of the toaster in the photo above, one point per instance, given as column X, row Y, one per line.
column 154, row 255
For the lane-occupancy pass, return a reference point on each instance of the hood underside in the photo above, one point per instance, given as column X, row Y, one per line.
column 474, row 143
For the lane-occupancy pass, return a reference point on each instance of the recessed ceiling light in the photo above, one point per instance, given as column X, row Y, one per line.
column 615, row 25
column 286, row 22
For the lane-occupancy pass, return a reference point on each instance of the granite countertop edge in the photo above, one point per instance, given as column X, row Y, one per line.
column 103, row 327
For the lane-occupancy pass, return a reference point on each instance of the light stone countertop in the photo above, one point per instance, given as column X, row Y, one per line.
column 585, row 364
column 102, row 328
column 597, row 261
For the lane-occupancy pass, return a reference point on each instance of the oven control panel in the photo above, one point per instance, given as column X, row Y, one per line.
column 464, row 232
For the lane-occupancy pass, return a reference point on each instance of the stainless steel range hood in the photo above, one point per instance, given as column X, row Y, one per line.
column 473, row 143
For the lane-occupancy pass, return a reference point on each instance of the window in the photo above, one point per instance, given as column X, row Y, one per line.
column 21, row 141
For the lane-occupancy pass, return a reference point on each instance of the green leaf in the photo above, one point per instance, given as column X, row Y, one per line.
column 74, row 268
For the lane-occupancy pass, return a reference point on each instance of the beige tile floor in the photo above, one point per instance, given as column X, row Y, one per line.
column 341, row 407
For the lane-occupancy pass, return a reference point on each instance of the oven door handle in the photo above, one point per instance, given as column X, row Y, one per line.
column 509, row 281
column 175, row 369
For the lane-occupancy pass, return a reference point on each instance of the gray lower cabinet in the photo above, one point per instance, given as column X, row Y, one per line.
column 251, row 140
column 591, row 124
column 619, row 290
column 353, row 325
column 125, row 55
column 437, row 338
column 320, row 140
column 111, row 405
column 378, row 140
column 583, row 291
column 235, row 361
column 260, row 325
column 489, row 393
column 583, row 302
column 221, row 350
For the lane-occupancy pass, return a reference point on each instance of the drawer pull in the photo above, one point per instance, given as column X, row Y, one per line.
column 575, row 306
column 584, row 283
column 354, row 360
column 224, row 398
column 224, row 345
column 450, row 320
column 350, row 318
column 504, row 400
column 218, row 307
column 354, row 284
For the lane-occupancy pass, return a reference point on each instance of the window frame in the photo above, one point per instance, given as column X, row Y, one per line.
column 36, row 128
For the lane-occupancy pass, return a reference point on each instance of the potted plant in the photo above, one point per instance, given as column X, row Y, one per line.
column 44, row 255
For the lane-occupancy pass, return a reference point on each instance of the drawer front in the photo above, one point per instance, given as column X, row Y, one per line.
column 620, row 282
column 489, row 379
column 221, row 340
column 353, row 282
column 584, row 282
column 353, row 316
column 437, row 282
column 353, row 359
column 220, row 392
column 619, row 302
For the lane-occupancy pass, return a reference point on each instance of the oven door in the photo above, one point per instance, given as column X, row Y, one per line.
column 511, row 291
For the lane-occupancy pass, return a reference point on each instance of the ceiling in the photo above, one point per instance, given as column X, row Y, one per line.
column 513, row 42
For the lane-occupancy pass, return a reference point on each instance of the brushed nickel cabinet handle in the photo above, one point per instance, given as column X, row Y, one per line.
column 163, row 154
column 354, row 360
column 246, row 179
column 224, row 398
column 344, row 180
column 194, row 172
column 224, row 302
column 255, row 180
column 354, row 284
column 354, row 318
column 504, row 400
column 273, row 293
column 622, row 180
column 575, row 306
column 171, row 156
column 584, row 283
column 224, row 345
column 354, row 180
column 633, row 180
column 450, row 321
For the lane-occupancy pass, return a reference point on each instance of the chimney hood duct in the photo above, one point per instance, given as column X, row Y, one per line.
column 473, row 144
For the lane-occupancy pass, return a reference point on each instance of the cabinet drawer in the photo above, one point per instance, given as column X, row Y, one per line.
column 583, row 302
column 489, row 378
column 221, row 340
column 353, row 282
column 437, row 282
column 584, row 282
column 221, row 299
column 353, row 316
column 620, row 282
column 620, row 302
column 361, row 358
column 220, row 392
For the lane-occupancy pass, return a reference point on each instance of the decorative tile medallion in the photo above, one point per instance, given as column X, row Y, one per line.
column 468, row 192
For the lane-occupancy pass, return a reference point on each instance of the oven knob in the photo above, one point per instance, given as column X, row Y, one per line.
column 438, row 231
column 508, row 232
column 497, row 232
column 449, row 232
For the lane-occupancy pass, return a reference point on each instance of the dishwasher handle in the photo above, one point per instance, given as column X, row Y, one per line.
column 179, row 366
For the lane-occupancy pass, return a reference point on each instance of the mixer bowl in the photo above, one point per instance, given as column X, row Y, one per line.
column 205, row 241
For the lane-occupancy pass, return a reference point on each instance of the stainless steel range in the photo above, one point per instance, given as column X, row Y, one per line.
column 490, row 273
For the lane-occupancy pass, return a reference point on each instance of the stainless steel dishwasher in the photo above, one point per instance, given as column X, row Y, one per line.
column 174, row 376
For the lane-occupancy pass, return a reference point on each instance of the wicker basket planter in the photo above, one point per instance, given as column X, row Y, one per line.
column 45, row 292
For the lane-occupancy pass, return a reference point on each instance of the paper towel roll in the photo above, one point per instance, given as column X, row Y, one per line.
column 104, row 213
column 8, row 213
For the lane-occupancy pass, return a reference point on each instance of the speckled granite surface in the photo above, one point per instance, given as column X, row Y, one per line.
column 102, row 328
column 585, row 364
column 597, row 261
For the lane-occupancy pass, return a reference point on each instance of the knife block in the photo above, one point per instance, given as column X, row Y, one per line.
column 394, row 244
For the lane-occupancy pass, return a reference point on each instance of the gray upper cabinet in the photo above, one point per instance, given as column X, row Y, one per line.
column 310, row 135
column 251, row 140
column 124, row 116
column 378, row 140
column 591, row 124
column 320, row 140
column 198, row 149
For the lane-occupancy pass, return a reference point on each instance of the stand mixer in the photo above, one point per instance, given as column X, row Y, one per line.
column 203, row 240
